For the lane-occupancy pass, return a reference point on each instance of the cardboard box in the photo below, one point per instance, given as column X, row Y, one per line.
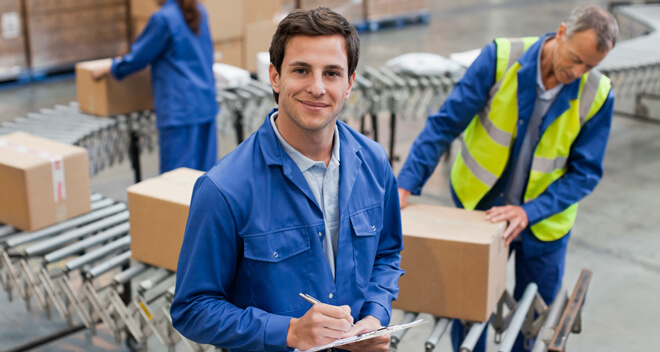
column 42, row 182
column 352, row 10
column 261, row 10
column 143, row 8
column 455, row 263
column 258, row 36
column 158, row 210
column 229, row 52
column 109, row 97
column 225, row 18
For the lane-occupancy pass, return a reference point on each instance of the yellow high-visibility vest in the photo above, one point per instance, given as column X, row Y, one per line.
column 488, row 139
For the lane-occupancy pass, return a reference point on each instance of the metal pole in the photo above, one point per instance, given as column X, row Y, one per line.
column 473, row 337
column 524, row 304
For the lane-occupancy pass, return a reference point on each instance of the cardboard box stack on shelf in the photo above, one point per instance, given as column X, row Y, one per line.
column 353, row 10
column 378, row 10
column 42, row 182
column 63, row 32
column 455, row 262
column 239, row 28
column 13, row 60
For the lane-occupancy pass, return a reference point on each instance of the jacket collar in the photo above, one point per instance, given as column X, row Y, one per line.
column 350, row 156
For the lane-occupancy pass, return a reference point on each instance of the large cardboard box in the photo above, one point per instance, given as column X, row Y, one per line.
column 225, row 18
column 229, row 52
column 455, row 262
column 109, row 97
column 261, row 10
column 42, row 182
column 258, row 36
column 159, row 211
column 352, row 10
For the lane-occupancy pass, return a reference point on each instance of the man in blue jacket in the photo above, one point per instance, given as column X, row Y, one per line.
column 304, row 205
column 535, row 118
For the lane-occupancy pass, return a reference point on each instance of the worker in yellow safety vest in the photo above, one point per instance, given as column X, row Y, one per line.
column 535, row 117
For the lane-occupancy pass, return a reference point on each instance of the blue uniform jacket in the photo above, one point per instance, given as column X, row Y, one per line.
column 181, row 67
column 468, row 97
column 254, row 242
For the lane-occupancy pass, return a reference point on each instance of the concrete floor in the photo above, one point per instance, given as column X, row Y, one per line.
column 616, row 234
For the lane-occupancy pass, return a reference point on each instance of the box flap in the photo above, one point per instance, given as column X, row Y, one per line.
column 175, row 186
column 24, row 151
column 446, row 223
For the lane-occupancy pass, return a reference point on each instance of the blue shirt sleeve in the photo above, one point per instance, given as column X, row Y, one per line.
column 147, row 47
column 584, row 168
column 384, row 284
column 207, row 264
column 466, row 99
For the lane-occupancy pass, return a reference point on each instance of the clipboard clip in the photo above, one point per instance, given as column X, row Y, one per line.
column 368, row 334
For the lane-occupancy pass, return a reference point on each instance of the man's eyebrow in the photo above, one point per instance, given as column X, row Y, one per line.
column 335, row 67
column 300, row 64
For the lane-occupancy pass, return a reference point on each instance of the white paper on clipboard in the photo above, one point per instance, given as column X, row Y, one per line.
column 366, row 335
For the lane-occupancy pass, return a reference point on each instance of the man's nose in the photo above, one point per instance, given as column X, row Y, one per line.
column 317, row 86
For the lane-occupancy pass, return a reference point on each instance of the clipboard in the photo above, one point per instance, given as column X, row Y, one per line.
column 366, row 335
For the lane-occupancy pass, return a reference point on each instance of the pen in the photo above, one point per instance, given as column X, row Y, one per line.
column 312, row 300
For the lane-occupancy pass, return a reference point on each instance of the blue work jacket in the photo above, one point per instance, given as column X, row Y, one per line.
column 181, row 67
column 254, row 240
column 468, row 97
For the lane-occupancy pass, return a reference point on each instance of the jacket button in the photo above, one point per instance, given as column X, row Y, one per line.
column 320, row 234
column 373, row 228
column 275, row 255
column 330, row 295
column 521, row 122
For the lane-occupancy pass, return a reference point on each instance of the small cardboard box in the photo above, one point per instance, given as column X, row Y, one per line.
column 109, row 97
column 158, row 214
column 42, row 182
column 455, row 262
column 229, row 52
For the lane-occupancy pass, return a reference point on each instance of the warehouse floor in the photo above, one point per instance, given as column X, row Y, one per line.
column 616, row 234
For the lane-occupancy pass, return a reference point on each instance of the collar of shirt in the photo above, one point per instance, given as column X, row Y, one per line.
column 303, row 162
column 542, row 92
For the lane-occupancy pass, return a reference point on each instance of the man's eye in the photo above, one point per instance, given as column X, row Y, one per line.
column 300, row 70
column 333, row 74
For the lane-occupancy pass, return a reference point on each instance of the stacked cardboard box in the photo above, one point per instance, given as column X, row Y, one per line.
column 455, row 263
column 42, row 182
column 376, row 10
column 239, row 28
column 63, row 32
column 159, row 212
column 12, row 41
column 352, row 10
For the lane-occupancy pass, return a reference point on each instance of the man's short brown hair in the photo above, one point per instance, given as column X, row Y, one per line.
column 317, row 22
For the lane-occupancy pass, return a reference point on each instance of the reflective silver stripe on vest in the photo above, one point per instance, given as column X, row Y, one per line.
column 482, row 174
column 517, row 49
column 546, row 165
column 589, row 94
column 500, row 136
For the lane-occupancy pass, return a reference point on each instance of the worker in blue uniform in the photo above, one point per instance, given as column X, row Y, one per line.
column 177, row 43
column 534, row 117
column 304, row 205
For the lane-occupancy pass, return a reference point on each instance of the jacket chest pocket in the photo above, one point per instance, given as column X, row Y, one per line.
column 277, row 265
column 366, row 227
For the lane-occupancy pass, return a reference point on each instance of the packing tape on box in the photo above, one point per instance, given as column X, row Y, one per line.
column 56, row 165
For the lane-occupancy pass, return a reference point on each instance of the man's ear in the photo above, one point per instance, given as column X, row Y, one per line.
column 561, row 31
column 274, row 78
column 351, row 79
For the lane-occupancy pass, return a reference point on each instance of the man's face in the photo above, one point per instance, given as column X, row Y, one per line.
column 314, row 82
column 576, row 55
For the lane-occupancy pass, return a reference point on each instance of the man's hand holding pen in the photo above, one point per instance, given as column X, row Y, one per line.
column 377, row 344
column 321, row 325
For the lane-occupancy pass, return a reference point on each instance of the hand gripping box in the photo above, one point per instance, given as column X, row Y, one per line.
column 158, row 210
column 42, row 182
column 455, row 262
column 108, row 96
